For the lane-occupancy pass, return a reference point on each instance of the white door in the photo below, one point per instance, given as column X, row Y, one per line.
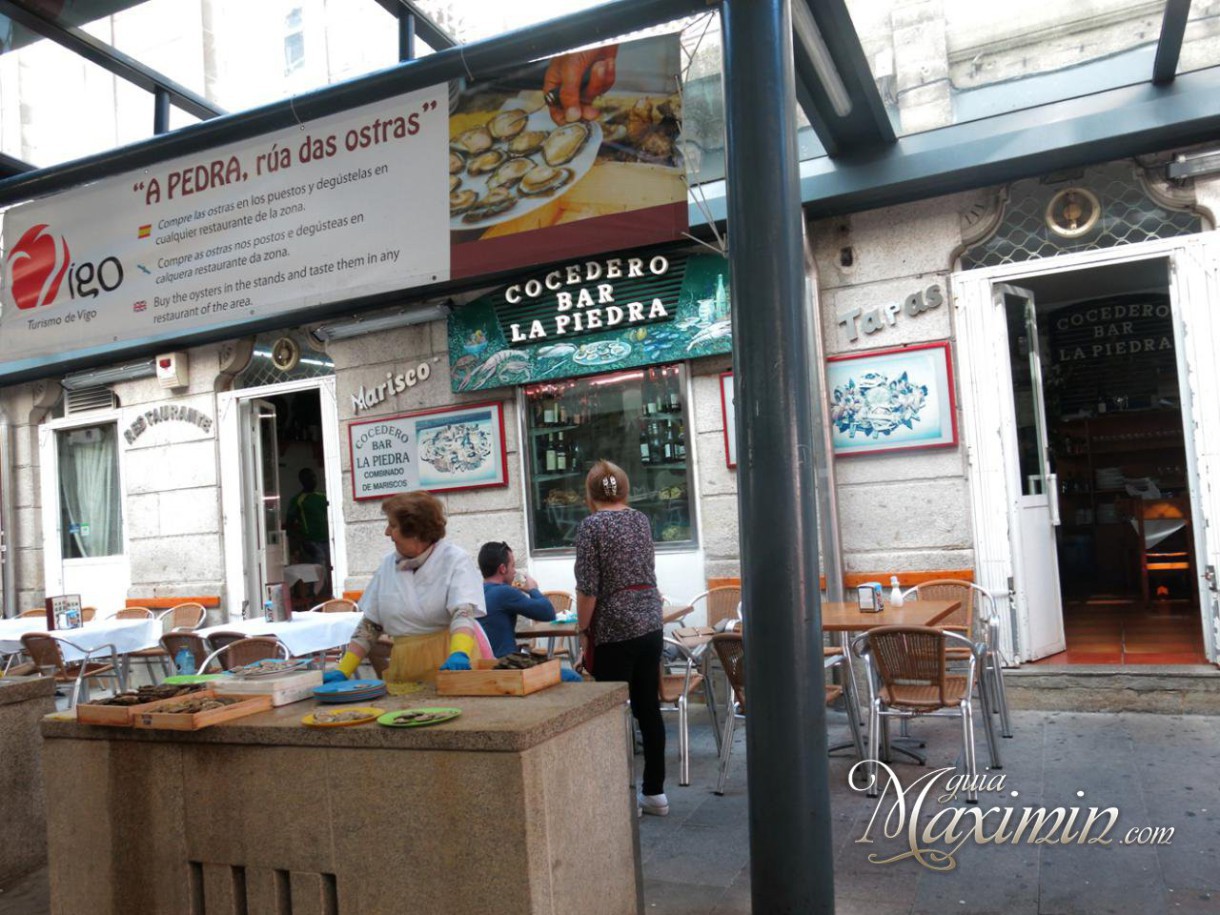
column 263, row 534
column 1195, row 294
column 84, row 535
column 1031, row 484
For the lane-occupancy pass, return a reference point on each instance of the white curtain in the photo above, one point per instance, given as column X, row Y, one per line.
column 89, row 489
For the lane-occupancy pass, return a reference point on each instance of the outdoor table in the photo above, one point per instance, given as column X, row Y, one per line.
column 571, row 631
column 305, row 634
column 846, row 617
column 125, row 635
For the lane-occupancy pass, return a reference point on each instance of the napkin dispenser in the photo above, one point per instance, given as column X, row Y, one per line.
column 868, row 597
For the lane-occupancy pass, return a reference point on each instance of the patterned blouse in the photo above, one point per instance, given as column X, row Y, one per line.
column 616, row 564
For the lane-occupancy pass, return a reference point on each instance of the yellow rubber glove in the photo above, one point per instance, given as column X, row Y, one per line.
column 462, row 641
column 349, row 662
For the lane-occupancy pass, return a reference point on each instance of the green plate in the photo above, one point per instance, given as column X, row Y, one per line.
column 188, row 679
column 406, row 718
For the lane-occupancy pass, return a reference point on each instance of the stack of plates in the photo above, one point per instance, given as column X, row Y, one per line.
column 349, row 691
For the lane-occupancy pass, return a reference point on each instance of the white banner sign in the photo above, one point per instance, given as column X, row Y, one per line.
column 357, row 202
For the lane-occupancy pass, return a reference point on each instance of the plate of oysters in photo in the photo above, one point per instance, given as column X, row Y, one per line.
column 513, row 162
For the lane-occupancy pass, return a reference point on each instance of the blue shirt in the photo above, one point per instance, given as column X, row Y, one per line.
column 504, row 604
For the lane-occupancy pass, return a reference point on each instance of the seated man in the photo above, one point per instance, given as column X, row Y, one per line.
column 505, row 601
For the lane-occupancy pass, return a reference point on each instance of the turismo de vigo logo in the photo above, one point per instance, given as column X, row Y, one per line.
column 41, row 261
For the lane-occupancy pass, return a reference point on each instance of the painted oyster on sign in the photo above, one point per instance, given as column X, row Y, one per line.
column 456, row 448
column 873, row 405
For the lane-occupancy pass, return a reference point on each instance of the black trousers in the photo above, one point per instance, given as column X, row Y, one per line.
column 637, row 662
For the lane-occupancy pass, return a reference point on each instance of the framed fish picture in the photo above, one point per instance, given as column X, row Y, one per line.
column 439, row 450
column 891, row 400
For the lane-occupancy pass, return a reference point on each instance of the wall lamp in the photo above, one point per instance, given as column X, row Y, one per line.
column 810, row 37
column 93, row 378
column 419, row 314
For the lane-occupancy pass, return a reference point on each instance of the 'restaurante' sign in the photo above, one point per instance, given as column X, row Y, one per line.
column 596, row 315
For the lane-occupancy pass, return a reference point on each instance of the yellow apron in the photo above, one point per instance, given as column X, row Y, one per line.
column 415, row 659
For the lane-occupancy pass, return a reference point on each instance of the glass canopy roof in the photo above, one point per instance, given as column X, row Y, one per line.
column 79, row 77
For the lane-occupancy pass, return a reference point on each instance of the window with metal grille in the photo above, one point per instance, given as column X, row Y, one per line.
column 1126, row 214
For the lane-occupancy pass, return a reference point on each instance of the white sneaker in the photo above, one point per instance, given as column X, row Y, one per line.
column 655, row 804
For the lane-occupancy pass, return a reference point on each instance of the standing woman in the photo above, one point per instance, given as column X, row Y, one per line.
column 426, row 595
column 619, row 611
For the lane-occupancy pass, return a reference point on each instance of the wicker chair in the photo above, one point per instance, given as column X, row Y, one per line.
column 46, row 653
column 133, row 613
column 182, row 617
column 174, row 642
column 30, row 614
column 88, row 614
column 730, row 650
column 563, row 602
column 243, row 651
column 982, row 628
column 674, row 689
column 719, row 604
column 909, row 676
column 336, row 605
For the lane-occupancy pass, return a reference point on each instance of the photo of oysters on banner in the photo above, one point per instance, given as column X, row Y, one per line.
column 516, row 161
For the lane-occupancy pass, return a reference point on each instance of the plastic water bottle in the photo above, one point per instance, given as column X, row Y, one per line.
column 895, row 592
column 184, row 660
column 268, row 611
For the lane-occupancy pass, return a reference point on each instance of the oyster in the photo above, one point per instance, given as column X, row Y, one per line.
column 507, row 124
column 509, row 173
column 485, row 162
column 565, row 142
column 461, row 201
column 457, row 162
column 542, row 179
column 454, row 183
column 496, row 202
column 526, row 143
column 472, row 141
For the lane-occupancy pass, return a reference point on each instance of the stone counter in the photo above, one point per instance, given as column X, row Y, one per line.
column 23, row 821
column 521, row 805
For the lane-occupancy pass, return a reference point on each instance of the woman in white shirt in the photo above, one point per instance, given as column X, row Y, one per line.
column 426, row 595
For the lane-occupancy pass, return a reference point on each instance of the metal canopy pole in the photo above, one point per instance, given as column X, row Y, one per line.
column 791, row 855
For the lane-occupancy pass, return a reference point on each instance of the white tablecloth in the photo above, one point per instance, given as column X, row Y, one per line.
column 305, row 634
column 307, row 572
column 125, row 635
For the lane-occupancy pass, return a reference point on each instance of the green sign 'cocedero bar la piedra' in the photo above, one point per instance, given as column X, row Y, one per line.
column 592, row 317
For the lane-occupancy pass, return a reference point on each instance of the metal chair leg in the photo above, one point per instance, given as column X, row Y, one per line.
column 972, row 795
column 987, row 701
column 997, row 672
column 726, row 748
column 683, row 744
column 875, row 741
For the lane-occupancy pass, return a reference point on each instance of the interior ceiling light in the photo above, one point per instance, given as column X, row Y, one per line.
column 823, row 64
column 344, row 330
column 96, row 377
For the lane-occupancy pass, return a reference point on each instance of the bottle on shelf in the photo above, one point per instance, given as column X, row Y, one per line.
column 681, row 451
column 548, row 412
column 645, row 450
column 561, row 455
column 667, row 447
column 654, row 441
column 550, row 454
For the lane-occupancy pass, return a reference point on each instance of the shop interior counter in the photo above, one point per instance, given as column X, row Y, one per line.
column 500, row 809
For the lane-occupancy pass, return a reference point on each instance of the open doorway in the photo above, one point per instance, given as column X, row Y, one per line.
column 296, row 504
column 1112, row 423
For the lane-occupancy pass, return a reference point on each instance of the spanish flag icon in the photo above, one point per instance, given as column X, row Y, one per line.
column 144, row 231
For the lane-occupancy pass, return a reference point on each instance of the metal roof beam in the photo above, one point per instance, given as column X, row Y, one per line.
column 1169, row 45
column 1118, row 124
column 425, row 27
column 834, row 84
column 109, row 58
column 10, row 166
column 477, row 60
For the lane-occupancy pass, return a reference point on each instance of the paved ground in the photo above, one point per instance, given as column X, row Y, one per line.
column 1157, row 770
